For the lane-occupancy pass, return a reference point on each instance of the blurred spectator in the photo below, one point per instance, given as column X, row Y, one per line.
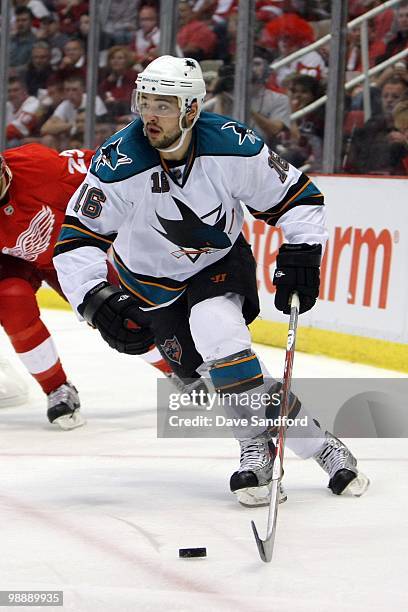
column 355, row 99
column 22, row 41
column 37, row 7
column 84, row 25
column 287, row 34
column 205, row 11
column 377, row 147
column 77, row 132
column 147, row 37
column 312, row 10
column 103, row 130
column 50, row 98
column 73, row 62
column 69, row 12
column 39, row 68
column 194, row 37
column 222, row 99
column 116, row 89
column 270, row 110
column 210, row 70
column 400, row 41
column 382, row 22
column 121, row 22
column 63, row 119
column 358, row 7
column 267, row 9
column 392, row 92
column 400, row 150
column 21, row 112
column 49, row 32
column 303, row 145
column 376, row 48
column 51, row 142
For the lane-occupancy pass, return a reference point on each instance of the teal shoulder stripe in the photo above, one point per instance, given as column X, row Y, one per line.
column 311, row 190
column 219, row 135
column 150, row 293
column 70, row 233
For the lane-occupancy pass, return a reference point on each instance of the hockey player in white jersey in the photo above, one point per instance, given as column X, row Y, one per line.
column 166, row 192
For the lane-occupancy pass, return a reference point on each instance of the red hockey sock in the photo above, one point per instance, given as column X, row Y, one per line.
column 20, row 317
column 156, row 360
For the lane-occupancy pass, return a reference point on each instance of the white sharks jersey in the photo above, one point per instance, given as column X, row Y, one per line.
column 164, row 226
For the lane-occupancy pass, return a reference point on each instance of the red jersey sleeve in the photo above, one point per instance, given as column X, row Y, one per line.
column 42, row 183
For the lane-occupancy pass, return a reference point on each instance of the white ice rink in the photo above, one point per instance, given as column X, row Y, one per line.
column 100, row 512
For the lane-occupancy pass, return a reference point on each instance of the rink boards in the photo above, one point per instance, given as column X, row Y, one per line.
column 362, row 311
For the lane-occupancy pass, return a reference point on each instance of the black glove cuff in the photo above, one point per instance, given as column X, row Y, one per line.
column 305, row 255
column 94, row 299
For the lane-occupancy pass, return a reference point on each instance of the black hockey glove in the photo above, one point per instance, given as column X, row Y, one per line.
column 115, row 313
column 297, row 269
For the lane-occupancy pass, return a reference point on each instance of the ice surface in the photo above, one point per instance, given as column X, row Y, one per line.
column 100, row 512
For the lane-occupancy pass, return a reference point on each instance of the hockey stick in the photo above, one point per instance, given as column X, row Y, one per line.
column 265, row 547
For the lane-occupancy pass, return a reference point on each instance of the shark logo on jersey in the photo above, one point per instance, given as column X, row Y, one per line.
column 193, row 235
column 242, row 132
column 111, row 156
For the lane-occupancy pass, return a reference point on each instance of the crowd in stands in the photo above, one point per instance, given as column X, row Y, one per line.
column 48, row 63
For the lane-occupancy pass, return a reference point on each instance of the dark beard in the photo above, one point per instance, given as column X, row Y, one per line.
column 166, row 142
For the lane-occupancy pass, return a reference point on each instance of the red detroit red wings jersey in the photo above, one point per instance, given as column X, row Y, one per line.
column 33, row 209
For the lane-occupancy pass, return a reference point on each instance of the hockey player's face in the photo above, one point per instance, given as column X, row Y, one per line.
column 160, row 115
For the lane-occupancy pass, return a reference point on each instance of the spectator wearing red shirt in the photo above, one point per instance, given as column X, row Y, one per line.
column 376, row 47
column 195, row 38
column 400, row 41
column 116, row 89
column 69, row 12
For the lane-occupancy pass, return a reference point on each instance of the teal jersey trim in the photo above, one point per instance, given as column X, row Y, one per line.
column 74, row 235
column 125, row 154
column 152, row 293
column 128, row 152
column 311, row 190
column 237, row 376
column 219, row 135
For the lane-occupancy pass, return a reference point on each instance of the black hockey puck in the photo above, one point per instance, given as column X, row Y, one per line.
column 189, row 553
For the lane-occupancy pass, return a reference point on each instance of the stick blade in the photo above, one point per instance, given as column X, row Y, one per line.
column 265, row 547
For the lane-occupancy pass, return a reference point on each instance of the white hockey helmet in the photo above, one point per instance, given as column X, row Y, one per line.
column 172, row 76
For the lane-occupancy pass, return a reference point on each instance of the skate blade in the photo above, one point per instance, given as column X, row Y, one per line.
column 70, row 421
column 358, row 486
column 252, row 497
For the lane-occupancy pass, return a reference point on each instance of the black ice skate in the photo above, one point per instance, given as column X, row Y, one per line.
column 252, row 482
column 63, row 407
column 341, row 466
